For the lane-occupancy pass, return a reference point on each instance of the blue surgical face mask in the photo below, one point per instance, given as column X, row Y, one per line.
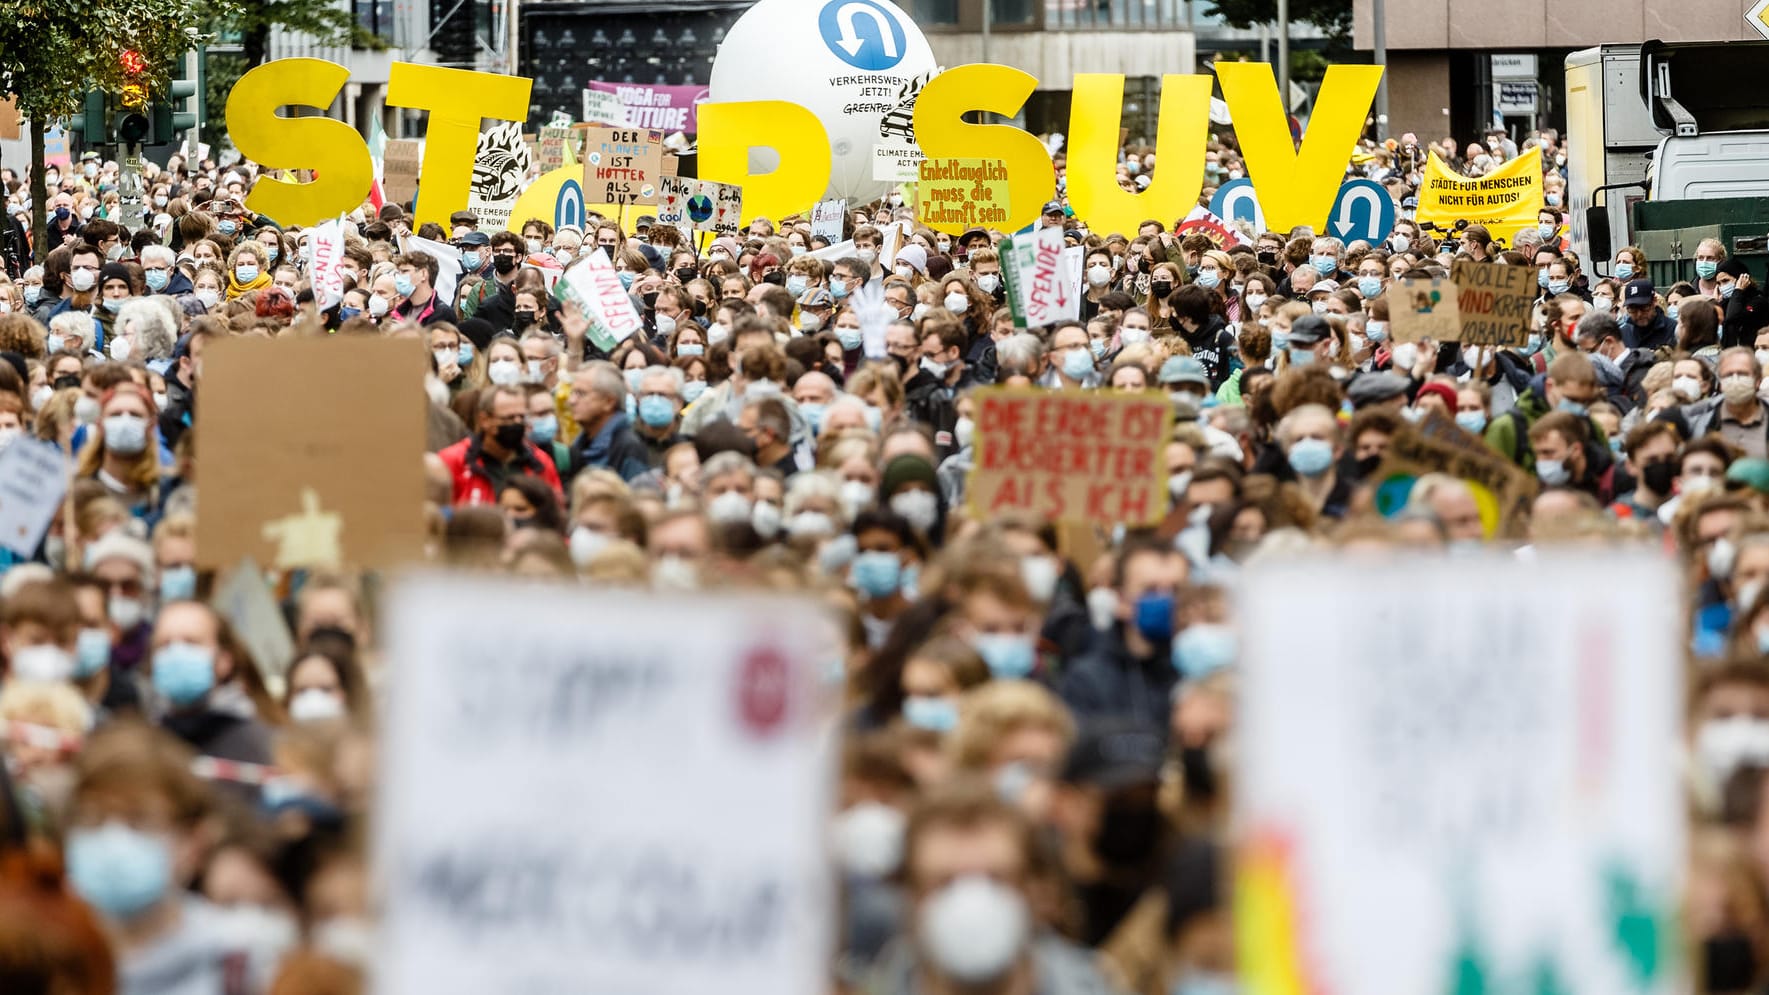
column 930, row 713
column 183, row 672
column 1077, row 364
column 245, row 273
column 1671, row 312
column 1706, row 268
column 838, row 289
column 1009, row 656
column 848, row 336
column 1376, row 331
column 226, row 227
column 876, row 574
column 690, row 349
column 464, row 355
column 1324, row 265
column 92, row 652
column 626, row 279
column 347, row 313
column 1301, row 355
column 178, row 583
column 1553, row 199
column 1624, row 271
column 1153, row 616
column 1280, row 339
column 1552, row 472
column 1542, row 277
column 655, row 411
column 470, row 261
column 1473, row 421
column 1369, row 286
column 1571, row 407
column 544, row 429
column 403, row 285
column 121, row 870
column 1545, row 230
column 157, row 279
column 1726, row 290
column 796, row 284
column 1202, row 649
column 1208, row 279
column 1311, row 457
column 1558, row 287
column 692, row 390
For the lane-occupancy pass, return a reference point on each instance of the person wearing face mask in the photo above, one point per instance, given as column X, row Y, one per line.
column 214, row 696
column 414, row 281
column 40, row 632
column 1562, row 445
column 116, row 285
column 498, row 448
column 931, row 395
column 910, row 487
column 79, row 286
column 1196, row 313
column 1570, row 385
column 598, row 404
column 765, row 421
column 1128, row 671
column 883, row 569
column 124, row 454
column 1738, row 413
column 1652, row 465
column 1646, row 326
column 1746, row 308
column 494, row 298
column 159, row 270
column 1313, row 444
column 138, row 829
column 968, row 867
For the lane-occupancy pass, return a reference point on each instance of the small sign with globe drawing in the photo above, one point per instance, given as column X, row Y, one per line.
column 699, row 205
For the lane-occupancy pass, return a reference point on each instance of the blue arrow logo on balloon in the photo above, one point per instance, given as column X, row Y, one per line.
column 862, row 33
column 1372, row 223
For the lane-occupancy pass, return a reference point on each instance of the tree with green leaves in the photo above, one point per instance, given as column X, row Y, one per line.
column 68, row 49
column 326, row 21
column 1331, row 16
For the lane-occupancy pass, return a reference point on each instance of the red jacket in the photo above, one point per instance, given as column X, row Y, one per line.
column 472, row 484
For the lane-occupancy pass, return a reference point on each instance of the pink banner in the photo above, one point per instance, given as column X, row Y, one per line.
column 660, row 108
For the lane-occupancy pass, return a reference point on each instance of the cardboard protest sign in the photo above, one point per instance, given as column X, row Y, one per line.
column 954, row 195
column 500, row 171
column 622, row 165
column 1504, row 200
column 1039, row 284
column 9, row 127
column 1423, row 309
column 1494, row 302
column 828, row 219
column 325, row 256
column 1501, row 490
column 1480, row 807
column 650, row 799
column 33, row 480
column 602, row 107
column 594, row 284
column 1071, row 456
column 555, row 141
column 699, row 205
column 310, row 452
column 399, row 169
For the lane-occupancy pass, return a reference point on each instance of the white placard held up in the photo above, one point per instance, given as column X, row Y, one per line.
column 1045, row 297
column 827, row 219
column 1074, row 260
column 605, row 798
column 596, row 283
column 33, row 480
column 325, row 253
column 1478, row 781
column 448, row 264
column 602, row 107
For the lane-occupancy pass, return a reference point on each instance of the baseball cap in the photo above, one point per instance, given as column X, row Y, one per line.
column 1309, row 329
column 1638, row 293
column 1052, row 207
column 474, row 238
column 816, row 297
column 1324, row 287
column 644, row 221
column 1183, row 369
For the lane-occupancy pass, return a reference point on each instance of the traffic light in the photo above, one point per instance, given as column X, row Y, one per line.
column 169, row 119
column 91, row 124
column 130, row 123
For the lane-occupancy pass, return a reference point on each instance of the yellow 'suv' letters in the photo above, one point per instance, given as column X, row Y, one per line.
column 1296, row 188
column 1093, row 152
column 730, row 129
column 332, row 148
column 942, row 132
column 457, row 100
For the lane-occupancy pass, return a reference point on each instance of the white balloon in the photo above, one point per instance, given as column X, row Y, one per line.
column 849, row 62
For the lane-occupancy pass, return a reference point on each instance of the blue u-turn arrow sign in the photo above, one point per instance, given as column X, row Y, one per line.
column 1363, row 210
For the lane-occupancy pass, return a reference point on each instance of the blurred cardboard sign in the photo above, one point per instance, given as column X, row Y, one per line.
column 622, row 165
column 312, row 452
column 399, row 170
column 244, row 598
column 9, row 128
column 650, row 799
column 1423, row 309
column 1494, row 302
column 1502, row 492
column 1070, row 456
column 1520, row 825
column 33, row 479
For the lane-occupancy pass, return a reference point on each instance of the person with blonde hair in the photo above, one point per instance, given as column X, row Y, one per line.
column 122, row 450
column 1015, row 734
column 246, row 270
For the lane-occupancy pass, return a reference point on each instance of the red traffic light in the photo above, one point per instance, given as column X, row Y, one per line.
column 133, row 62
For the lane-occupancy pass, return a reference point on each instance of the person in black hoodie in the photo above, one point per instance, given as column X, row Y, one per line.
column 1747, row 310
column 215, row 699
column 931, row 395
column 1193, row 313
